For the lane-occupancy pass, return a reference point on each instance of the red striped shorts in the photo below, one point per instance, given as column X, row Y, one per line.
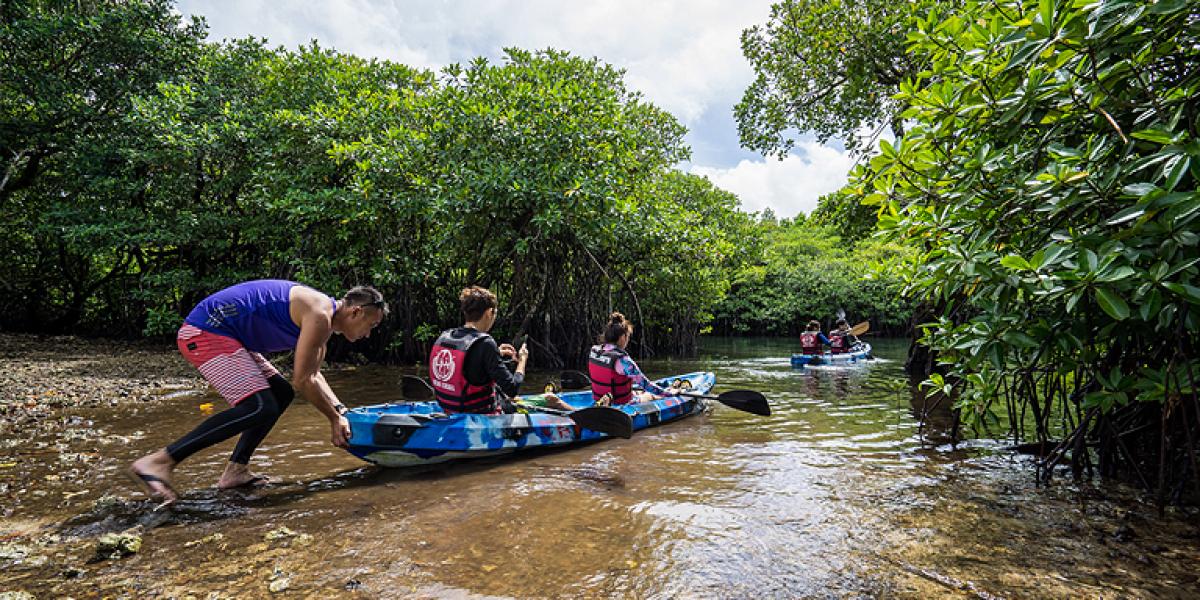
column 235, row 371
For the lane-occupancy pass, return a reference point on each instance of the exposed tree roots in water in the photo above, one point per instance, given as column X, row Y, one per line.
column 1146, row 443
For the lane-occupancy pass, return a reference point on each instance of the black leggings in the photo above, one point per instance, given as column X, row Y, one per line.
column 253, row 417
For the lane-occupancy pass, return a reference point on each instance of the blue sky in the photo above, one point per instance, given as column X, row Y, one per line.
column 685, row 56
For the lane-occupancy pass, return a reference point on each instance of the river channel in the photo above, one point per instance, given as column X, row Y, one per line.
column 840, row 493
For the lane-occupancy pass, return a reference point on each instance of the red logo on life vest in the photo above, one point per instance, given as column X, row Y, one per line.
column 443, row 365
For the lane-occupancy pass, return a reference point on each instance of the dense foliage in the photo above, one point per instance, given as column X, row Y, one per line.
column 830, row 68
column 1049, row 174
column 807, row 271
column 145, row 168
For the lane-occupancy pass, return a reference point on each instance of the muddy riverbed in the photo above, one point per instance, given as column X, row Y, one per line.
column 838, row 494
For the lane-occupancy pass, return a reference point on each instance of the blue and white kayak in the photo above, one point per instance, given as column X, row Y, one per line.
column 418, row 433
column 858, row 353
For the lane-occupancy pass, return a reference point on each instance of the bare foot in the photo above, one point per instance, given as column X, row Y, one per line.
column 153, row 473
column 239, row 475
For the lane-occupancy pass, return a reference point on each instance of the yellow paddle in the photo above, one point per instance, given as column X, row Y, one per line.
column 860, row 329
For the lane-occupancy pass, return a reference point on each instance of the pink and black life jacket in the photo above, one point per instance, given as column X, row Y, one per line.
column 447, row 373
column 810, row 342
column 839, row 342
column 602, row 368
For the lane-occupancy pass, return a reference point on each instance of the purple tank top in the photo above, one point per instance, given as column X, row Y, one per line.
column 255, row 313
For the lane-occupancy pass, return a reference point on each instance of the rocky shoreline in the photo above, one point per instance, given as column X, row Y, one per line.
column 40, row 376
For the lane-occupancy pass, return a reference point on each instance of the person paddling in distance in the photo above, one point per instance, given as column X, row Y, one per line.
column 225, row 336
column 812, row 339
column 840, row 339
column 614, row 373
column 465, row 367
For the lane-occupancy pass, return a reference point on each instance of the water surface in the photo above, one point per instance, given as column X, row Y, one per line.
column 840, row 493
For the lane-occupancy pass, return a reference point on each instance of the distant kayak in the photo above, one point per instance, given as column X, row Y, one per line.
column 416, row 433
column 858, row 353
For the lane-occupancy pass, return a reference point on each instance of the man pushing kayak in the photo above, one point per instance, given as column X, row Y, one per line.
column 225, row 337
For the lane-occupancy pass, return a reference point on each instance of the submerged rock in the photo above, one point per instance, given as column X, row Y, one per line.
column 287, row 537
column 118, row 545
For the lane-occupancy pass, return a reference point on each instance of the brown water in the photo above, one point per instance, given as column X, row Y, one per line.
column 835, row 495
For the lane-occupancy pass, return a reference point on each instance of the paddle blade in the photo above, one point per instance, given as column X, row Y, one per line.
column 574, row 380
column 611, row 421
column 860, row 329
column 415, row 388
column 748, row 400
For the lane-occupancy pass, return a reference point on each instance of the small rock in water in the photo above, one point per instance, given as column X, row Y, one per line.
column 216, row 537
column 279, row 581
column 107, row 503
column 14, row 552
column 352, row 585
column 1124, row 533
column 118, row 545
column 288, row 538
column 278, row 534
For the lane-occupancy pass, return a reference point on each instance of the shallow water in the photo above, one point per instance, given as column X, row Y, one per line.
column 838, row 494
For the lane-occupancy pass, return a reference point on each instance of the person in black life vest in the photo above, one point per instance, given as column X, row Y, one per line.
column 840, row 339
column 812, row 339
column 464, row 364
column 612, row 370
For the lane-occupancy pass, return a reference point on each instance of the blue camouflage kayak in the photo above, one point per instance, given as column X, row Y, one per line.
column 418, row 433
column 858, row 353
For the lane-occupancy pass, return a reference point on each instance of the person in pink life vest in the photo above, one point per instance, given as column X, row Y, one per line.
column 812, row 339
column 614, row 373
column 225, row 337
column 465, row 367
column 841, row 340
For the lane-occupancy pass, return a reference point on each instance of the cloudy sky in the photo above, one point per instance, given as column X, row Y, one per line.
column 684, row 55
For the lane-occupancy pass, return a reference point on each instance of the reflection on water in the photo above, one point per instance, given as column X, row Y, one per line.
column 836, row 494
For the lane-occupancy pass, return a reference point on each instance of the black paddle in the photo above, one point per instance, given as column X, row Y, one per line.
column 604, row 419
column 415, row 388
column 746, row 400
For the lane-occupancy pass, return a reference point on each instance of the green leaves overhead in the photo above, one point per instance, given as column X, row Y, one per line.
column 830, row 69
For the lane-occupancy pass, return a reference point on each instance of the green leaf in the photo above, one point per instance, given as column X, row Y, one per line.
column 1150, row 305
column 1019, row 339
column 1154, row 135
column 1140, row 189
column 1190, row 292
column 1089, row 260
column 1015, row 263
column 1128, row 214
column 1112, row 303
column 1117, row 274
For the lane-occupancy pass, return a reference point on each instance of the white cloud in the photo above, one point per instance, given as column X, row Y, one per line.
column 685, row 56
column 788, row 187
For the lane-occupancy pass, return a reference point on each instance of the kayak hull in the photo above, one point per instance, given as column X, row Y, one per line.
column 862, row 353
column 417, row 433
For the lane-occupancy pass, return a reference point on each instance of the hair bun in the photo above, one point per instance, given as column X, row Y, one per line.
column 617, row 318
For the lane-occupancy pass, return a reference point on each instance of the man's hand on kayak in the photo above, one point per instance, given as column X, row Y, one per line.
column 340, row 432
